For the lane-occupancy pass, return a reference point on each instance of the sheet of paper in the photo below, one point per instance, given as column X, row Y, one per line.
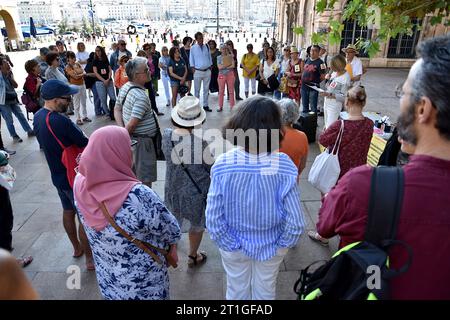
column 316, row 88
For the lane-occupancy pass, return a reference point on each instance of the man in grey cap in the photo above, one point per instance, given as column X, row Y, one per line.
column 40, row 59
column 57, row 96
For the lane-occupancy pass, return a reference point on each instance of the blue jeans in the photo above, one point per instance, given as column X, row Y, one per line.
column 307, row 95
column 97, row 103
column 104, row 92
column 7, row 110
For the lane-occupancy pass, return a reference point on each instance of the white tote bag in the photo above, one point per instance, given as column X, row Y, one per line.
column 325, row 170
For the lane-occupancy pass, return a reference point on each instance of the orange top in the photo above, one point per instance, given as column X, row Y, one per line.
column 294, row 144
column 75, row 73
column 120, row 77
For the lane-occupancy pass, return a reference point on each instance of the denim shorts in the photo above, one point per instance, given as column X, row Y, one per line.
column 174, row 83
column 67, row 199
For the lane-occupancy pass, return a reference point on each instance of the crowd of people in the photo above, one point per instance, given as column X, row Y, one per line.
column 251, row 210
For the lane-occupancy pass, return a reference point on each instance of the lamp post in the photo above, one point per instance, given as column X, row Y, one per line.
column 217, row 7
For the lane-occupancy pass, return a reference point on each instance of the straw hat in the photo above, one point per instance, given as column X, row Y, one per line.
column 350, row 47
column 188, row 113
column 294, row 49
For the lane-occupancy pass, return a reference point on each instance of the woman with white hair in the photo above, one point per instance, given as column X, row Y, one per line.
column 295, row 142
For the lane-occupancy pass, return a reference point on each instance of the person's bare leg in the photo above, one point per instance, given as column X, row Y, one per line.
column 195, row 238
column 174, row 96
column 71, row 229
column 86, row 247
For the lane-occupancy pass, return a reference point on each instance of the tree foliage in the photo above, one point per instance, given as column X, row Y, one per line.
column 387, row 18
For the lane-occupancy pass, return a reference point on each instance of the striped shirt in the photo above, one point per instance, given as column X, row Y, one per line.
column 137, row 105
column 254, row 204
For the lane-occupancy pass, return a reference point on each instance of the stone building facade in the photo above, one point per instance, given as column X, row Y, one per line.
column 9, row 18
column 396, row 52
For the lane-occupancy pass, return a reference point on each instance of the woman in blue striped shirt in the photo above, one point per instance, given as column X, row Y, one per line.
column 253, row 212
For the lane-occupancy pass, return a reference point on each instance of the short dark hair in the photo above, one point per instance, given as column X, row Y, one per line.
column 153, row 44
column 71, row 55
column 52, row 56
column 52, row 47
column 176, row 43
column 197, row 35
column 316, row 46
column 212, row 42
column 186, row 40
column 146, row 46
column 432, row 80
column 172, row 52
column 256, row 113
column 30, row 65
column 249, row 46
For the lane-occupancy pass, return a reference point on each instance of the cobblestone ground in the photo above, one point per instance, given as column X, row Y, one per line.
column 38, row 229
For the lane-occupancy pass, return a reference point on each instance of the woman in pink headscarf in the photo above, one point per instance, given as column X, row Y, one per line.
column 124, row 271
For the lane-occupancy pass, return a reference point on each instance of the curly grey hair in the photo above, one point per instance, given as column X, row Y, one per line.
column 133, row 65
column 290, row 111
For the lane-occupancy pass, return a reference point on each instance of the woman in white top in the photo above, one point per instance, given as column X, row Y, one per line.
column 268, row 67
column 336, row 90
column 81, row 55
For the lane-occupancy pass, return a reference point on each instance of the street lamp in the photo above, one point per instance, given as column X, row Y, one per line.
column 217, row 17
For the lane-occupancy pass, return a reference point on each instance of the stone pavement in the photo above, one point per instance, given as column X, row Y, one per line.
column 38, row 229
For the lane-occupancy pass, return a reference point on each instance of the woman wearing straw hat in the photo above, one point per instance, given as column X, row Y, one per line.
column 354, row 65
column 294, row 74
column 187, row 173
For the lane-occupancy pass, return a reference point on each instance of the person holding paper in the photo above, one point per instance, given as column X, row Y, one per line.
column 313, row 74
column 336, row 90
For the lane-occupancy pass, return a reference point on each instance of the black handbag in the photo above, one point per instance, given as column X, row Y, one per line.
column 273, row 82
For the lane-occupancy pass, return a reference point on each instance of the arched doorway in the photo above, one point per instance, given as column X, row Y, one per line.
column 12, row 34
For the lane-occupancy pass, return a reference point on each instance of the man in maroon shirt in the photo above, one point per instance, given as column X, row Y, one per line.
column 424, row 223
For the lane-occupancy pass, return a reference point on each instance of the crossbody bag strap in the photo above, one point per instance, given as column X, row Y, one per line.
column 126, row 94
column 47, row 121
column 187, row 171
column 140, row 244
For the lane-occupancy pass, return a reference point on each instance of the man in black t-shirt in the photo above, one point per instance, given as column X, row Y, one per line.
column 313, row 74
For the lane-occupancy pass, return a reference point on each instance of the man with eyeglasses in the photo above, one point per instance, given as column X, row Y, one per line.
column 57, row 96
column 115, row 56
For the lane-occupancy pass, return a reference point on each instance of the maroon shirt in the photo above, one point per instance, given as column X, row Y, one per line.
column 355, row 142
column 424, row 224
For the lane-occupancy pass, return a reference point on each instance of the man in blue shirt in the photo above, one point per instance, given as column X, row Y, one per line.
column 115, row 56
column 201, row 62
column 313, row 74
column 57, row 96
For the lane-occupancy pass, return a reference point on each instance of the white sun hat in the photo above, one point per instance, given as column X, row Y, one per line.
column 188, row 112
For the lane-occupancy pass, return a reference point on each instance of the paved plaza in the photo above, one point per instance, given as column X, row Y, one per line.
column 38, row 229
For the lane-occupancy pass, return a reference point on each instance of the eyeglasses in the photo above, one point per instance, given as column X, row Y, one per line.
column 122, row 44
column 66, row 98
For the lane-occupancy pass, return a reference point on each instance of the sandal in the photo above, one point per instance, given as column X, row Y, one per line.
column 87, row 119
column 193, row 260
column 315, row 236
column 23, row 262
column 79, row 122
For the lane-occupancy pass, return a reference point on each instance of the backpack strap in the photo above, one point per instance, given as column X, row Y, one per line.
column 385, row 204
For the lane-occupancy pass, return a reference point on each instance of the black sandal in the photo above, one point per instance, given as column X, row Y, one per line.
column 194, row 259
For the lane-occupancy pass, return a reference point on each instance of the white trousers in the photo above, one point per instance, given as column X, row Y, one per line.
column 166, row 82
column 249, row 279
column 247, row 85
column 332, row 110
column 205, row 77
column 79, row 102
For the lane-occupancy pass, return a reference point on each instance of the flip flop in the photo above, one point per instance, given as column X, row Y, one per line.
column 25, row 261
column 194, row 259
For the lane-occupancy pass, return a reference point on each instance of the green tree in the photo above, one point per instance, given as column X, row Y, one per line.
column 63, row 26
column 387, row 18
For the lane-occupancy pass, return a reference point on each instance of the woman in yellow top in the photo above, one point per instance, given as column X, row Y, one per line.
column 250, row 64
column 76, row 75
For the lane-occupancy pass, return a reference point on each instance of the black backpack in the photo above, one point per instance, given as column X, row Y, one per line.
column 350, row 273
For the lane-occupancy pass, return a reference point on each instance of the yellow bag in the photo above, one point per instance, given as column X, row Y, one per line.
column 283, row 88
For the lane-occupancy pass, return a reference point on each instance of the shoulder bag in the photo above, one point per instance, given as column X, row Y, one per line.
column 139, row 243
column 325, row 170
column 70, row 156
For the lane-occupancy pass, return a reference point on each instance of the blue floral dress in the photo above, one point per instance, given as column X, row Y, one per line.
column 124, row 271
